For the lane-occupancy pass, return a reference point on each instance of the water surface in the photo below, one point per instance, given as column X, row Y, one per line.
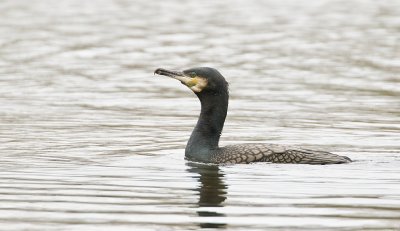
column 92, row 140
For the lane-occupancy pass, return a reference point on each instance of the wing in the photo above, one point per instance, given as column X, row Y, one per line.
column 247, row 153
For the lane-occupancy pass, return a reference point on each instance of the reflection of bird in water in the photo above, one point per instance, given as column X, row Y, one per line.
column 212, row 90
column 212, row 191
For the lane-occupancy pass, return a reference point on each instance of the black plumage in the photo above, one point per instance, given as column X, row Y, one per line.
column 212, row 90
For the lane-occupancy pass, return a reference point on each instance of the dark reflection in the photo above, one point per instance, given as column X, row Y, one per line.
column 212, row 191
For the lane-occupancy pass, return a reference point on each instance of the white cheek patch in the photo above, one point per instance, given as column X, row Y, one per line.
column 199, row 84
column 196, row 84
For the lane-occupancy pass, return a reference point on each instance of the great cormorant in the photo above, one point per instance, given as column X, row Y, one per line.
column 212, row 90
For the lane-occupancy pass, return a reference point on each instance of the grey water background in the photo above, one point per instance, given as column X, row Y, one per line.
column 90, row 139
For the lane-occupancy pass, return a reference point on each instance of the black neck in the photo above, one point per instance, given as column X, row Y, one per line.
column 206, row 134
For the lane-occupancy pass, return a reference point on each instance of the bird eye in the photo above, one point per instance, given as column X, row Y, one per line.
column 192, row 74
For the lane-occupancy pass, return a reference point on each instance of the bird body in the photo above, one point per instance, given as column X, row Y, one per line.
column 248, row 153
column 212, row 90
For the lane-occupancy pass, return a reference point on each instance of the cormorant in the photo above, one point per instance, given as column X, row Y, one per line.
column 212, row 90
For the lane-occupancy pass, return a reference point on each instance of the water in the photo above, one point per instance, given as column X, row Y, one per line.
column 92, row 140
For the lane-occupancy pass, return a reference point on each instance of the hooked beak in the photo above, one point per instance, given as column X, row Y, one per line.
column 196, row 84
column 174, row 74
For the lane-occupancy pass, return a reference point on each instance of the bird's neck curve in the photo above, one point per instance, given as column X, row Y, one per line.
column 205, row 136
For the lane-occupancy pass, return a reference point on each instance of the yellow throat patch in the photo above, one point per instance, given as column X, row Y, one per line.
column 197, row 84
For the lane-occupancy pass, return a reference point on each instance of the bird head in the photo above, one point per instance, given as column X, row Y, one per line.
column 199, row 79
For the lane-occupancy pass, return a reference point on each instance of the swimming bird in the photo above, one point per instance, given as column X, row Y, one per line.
column 212, row 90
